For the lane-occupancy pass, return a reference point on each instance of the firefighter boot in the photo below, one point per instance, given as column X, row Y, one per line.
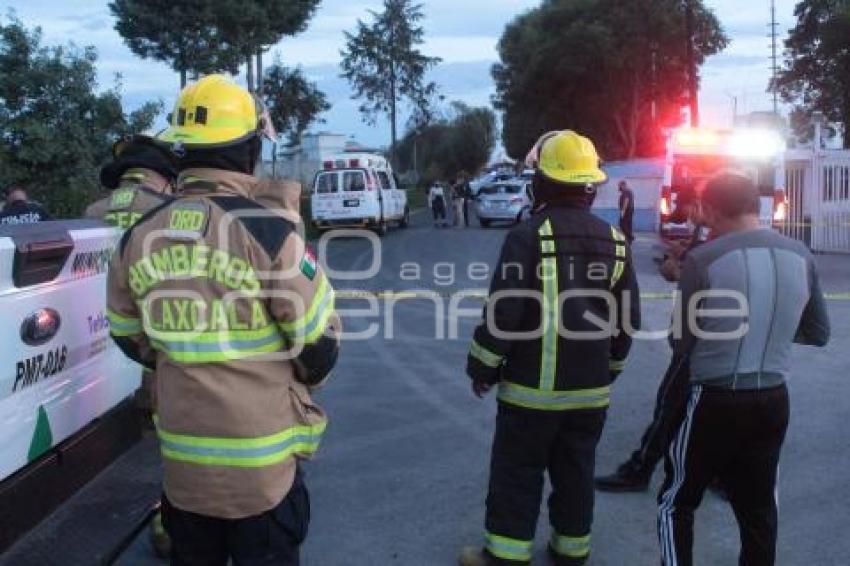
column 477, row 556
column 160, row 540
column 628, row 477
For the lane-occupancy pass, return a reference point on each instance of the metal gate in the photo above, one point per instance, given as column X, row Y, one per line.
column 797, row 224
column 818, row 190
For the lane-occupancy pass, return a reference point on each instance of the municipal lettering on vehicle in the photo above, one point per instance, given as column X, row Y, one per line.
column 89, row 264
column 37, row 368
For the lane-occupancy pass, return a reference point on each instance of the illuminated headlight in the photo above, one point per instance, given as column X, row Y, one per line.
column 756, row 143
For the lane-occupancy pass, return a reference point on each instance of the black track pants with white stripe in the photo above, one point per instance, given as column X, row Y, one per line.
column 670, row 404
column 736, row 437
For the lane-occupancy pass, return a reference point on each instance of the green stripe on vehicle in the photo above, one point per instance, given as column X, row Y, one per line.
column 529, row 398
column 484, row 355
column 508, row 548
column 550, row 311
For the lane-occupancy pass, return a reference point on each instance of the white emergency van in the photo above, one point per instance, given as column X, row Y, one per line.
column 358, row 190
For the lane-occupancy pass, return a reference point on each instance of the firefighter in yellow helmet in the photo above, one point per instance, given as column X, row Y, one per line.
column 140, row 177
column 222, row 297
column 542, row 346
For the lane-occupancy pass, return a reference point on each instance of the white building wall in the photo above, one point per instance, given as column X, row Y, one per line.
column 301, row 163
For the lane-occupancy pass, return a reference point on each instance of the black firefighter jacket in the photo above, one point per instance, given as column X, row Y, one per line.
column 563, row 296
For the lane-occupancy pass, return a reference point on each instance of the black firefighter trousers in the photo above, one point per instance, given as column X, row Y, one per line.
column 735, row 436
column 527, row 444
column 271, row 538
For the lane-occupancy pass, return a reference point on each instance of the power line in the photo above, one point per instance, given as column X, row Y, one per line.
column 774, row 58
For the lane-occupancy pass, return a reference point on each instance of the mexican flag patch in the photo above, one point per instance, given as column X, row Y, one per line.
column 309, row 265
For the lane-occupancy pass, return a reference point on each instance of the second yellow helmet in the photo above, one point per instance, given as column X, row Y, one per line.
column 567, row 157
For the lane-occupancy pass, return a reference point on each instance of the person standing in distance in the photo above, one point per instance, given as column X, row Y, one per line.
column 221, row 297
column 20, row 210
column 437, row 202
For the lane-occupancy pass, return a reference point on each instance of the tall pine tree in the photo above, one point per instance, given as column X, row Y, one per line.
column 384, row 65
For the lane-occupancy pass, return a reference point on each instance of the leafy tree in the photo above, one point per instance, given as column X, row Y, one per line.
column 207, row 36
column 816, row 76
column 56, row 129
column 249, row 28
column 183, row 34
column 293, row 102
column 599, row 67
column 384, row 65
column 444, row 148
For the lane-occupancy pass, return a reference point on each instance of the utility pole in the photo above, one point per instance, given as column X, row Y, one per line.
column 774, row 68
column 693, row 86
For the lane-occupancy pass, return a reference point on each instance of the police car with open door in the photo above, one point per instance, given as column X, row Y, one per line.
column 66, row 407
column 358, row 190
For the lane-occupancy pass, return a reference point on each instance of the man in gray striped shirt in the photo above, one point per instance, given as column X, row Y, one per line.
column 746, row 297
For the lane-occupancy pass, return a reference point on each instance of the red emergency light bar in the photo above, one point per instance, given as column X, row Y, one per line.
column 693, row 137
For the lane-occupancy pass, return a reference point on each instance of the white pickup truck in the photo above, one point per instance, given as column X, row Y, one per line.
column 60, row 373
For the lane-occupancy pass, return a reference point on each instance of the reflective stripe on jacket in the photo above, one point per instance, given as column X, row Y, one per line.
column 558, row 274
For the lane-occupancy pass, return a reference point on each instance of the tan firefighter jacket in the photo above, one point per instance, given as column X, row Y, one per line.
column 221, row 295
column 140, row 190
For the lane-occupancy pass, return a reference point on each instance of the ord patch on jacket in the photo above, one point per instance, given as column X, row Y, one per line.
column 121, row 199
column 188, row 218
column 309, row 265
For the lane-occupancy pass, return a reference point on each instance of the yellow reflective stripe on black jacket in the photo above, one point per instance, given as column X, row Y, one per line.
column 531, row 398
column 536, row 292
column 550, row 308
column 485, row 356
column 620, row 252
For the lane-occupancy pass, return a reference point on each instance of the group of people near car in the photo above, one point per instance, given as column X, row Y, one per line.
column 722, row 407
column 454, row 200
column 235, row 418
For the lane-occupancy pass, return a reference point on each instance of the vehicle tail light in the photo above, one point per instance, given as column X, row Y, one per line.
column 780, row 206
column 664, row 205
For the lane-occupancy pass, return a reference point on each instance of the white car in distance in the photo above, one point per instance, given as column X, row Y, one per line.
column 507, row 201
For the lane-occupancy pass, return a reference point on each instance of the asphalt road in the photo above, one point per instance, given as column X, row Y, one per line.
column 401, row 476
